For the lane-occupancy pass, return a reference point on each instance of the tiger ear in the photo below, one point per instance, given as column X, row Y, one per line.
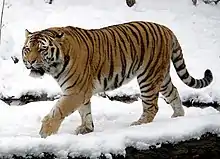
column 27, row 33
column 60, row 34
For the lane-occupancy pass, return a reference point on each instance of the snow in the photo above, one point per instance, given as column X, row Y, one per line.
column 112, row 134
column 198, row 31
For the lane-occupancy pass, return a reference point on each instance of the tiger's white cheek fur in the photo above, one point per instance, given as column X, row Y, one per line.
column 53, row 70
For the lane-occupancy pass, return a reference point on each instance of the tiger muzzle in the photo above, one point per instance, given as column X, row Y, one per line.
column 36, row 71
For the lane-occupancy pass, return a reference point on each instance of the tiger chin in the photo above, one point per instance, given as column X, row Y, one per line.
column 36, row 73
column 87, row 61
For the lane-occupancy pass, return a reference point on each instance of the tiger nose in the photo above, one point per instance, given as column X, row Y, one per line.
column 31, row 61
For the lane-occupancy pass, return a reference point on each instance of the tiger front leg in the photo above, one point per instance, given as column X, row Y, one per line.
column 86, row 118
column 64, row 107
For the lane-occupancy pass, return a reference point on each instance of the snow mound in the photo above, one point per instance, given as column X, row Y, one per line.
column 19, row 128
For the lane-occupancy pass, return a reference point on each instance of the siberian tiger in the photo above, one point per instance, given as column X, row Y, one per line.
column 85, row 62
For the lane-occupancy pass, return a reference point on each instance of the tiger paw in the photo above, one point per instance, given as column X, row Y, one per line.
column 83, row 129
column 49, row 126
column 139, row 122
column 135, row 123
column 178, row 113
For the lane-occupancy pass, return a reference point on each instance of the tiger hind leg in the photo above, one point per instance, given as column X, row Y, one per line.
column 86, row 118
column 149, row 96
column 169, row 91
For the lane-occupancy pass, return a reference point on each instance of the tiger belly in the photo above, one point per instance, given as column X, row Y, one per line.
column 106, row 85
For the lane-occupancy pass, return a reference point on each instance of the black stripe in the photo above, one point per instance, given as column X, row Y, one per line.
column 184, row 76
column 129, row 71
column 66, row 61
column 178, row 58
column 71, row 75
column 181, row 67
column 145, row 102
column 118, row 32
column 150, row 34
column 151, row 100
column 144, row 86
column 57, row 53
column 75, row 34
column 104, row 55
column 131, row 26
column 105, row 83
column 142, row 43
column 88, row 58
column 100, row 72
column 99, row 46
column 87, row 103
column 164, row 86
column 85, row 40
column 147, row 96
column 156, row 37
column 157, row 58
column 144, row 26
column 192, row 82
column 206, row 81
column 147, row 66
column 177, row 49
column 90, row 35
column 116, row 81
column 168, row 102
column 124, row 31
column 198, row 83
column 169, row 92
column 135, row 64
column 150, row 73
column 122, row 55
column 52, row 50
column 111, row 71
column 132, row 49
column 84, row 78
column 202, row 83
column 73, row 84
column 123, row 61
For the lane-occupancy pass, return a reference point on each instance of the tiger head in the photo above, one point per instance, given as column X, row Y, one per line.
column 42, row 52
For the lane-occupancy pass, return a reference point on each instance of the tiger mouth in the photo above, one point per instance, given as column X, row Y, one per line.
column 37, row 72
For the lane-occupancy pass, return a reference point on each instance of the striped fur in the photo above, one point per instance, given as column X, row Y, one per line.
column 85, row 62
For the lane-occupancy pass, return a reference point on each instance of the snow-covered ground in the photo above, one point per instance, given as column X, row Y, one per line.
column 19, row 128
column 198, row 30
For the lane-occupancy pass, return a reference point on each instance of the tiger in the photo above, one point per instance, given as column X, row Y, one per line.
column 85, row 62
